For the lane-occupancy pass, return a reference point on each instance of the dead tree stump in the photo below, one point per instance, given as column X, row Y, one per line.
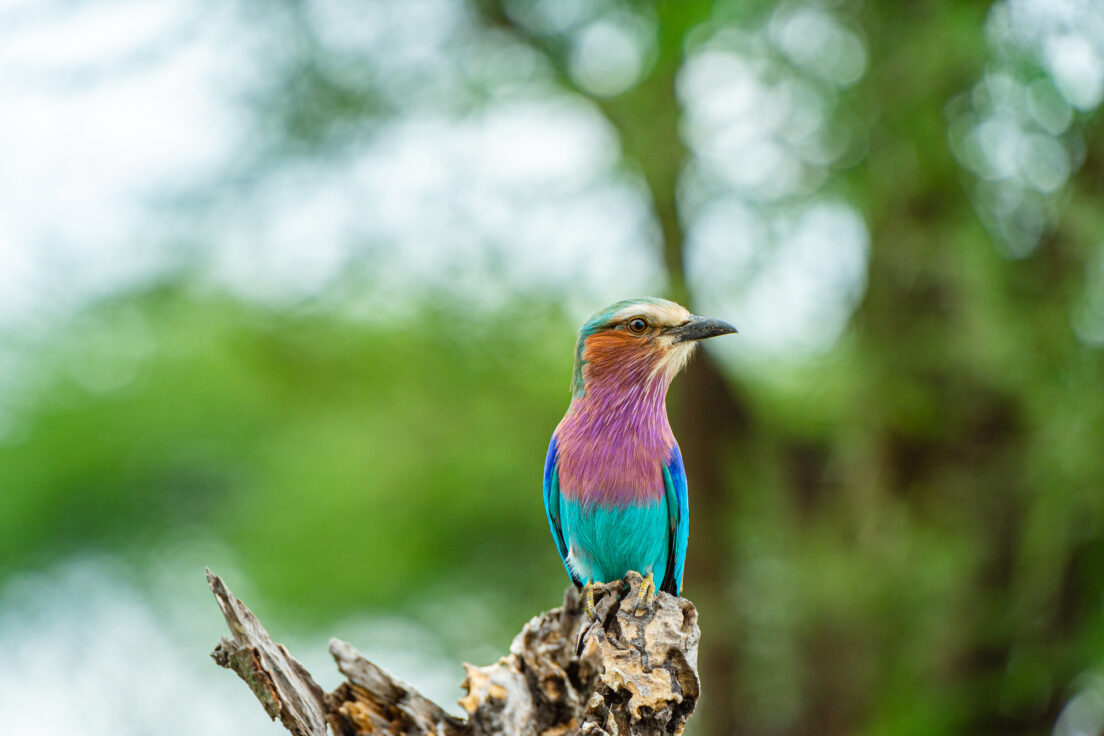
column 621, row 674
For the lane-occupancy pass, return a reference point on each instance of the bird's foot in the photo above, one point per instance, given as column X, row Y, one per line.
column 646, row 597
column 591, row 617
column 588, row 601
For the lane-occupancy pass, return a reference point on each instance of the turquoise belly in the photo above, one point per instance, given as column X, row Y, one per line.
column 605, row 542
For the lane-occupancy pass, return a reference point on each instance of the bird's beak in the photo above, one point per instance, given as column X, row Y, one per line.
column 699, row 328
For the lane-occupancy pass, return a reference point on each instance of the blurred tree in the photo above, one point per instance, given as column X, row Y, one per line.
column 952, row 343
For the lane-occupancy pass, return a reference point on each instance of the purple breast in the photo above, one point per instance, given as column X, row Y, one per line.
column 613, row 455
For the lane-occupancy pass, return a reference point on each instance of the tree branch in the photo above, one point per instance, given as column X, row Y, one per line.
column 618, row 674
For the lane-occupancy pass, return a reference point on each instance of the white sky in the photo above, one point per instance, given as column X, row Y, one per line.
column 113, row 107
column 109, row 106
column 97, row 647
column 97, row 118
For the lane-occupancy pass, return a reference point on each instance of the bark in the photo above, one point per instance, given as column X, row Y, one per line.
column 621, row 673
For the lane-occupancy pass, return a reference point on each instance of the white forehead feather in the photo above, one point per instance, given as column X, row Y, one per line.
column 656, row 311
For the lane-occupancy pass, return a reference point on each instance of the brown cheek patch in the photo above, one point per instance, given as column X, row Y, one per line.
column 610, row 345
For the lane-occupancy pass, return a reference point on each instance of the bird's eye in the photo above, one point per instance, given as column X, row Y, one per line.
column 637, row 326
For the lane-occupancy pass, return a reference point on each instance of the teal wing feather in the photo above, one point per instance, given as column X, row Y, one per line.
column 678, row 522
column 552, row 508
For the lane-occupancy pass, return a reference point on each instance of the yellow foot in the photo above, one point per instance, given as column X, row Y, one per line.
column 591, row 617
column 588, row 601
column 646, row 597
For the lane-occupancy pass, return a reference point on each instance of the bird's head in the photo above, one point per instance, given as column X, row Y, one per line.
column 637, row 341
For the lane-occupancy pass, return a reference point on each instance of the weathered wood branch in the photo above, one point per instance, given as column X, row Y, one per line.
column 621, row 673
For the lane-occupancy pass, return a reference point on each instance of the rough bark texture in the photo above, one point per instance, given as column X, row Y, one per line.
column 621, row 673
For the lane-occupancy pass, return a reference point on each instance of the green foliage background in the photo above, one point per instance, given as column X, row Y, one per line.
column 903, row 535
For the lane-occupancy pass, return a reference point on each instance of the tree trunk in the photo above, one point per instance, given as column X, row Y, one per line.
column 621, row 673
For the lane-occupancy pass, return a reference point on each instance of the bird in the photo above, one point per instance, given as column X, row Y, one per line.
column 614, row 483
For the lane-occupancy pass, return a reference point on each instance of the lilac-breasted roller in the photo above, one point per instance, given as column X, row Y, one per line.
column 614, row 484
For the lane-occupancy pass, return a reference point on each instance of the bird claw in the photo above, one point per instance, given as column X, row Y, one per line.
column 591, row 617
column 645, row 599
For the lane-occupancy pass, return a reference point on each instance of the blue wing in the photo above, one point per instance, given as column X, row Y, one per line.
column 552, row 507
column 678, row 522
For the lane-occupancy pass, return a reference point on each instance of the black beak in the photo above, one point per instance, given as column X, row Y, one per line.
column 699, row 328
